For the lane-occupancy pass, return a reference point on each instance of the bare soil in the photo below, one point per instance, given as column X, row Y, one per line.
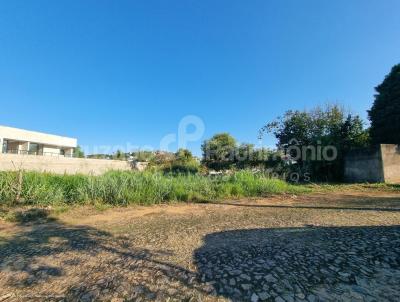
column 325, row 246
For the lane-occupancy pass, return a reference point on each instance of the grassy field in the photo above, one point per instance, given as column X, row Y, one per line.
column 123, row 188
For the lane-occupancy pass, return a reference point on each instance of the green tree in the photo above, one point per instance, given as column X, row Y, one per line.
column 184, row 155
column 311, row 131
column 184, row 162
column 78, row 152
column 385, row 112
column 353, row 135
column 119, row 155
column 244, row 156
column 219, row 151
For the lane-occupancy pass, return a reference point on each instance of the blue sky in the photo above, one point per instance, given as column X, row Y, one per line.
column 118, row 72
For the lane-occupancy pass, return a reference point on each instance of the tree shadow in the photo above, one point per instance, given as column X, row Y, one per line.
column 54, row 261
column 345, row 203
column 303, row 264
column 32, row 215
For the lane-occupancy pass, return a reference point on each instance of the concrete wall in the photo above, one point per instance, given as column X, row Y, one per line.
column 377, row 164
column 391, row 163
column 60, row 164
column 364, row 165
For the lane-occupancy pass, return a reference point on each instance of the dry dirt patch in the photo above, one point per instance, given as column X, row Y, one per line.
column 336, row 246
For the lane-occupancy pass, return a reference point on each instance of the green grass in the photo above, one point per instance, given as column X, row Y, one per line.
column 123, row 188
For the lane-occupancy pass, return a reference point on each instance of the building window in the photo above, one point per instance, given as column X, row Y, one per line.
column 4, row 146
column 33, row 149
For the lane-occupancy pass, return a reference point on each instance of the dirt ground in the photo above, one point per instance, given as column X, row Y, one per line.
column 336, row 246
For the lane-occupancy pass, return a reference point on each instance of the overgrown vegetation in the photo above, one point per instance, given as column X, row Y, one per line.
column 317, row 140
column 302, row 139
column 183, row 161
column 304, row 136
column 176, row 177
column 123, row 188
column 223, row 152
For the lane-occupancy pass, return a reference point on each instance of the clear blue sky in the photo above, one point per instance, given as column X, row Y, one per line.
column 112, row 72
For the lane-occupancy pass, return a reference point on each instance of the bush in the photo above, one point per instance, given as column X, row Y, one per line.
column 182, row 162
column 183, row 168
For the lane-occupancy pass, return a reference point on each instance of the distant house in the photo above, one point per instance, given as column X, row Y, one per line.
column 25, row 142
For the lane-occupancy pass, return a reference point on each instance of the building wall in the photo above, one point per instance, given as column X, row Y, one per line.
column 364, row 165
column 60, row 164
column 391, row 163
column 50, row 150
column 69, row 152
column 36, row 137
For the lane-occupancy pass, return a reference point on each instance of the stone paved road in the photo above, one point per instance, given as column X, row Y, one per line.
column 305, row 264
column 272, row 250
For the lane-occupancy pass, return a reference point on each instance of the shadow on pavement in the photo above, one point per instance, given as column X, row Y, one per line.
column 345, row 203
column 303, row 264
column 53, row 261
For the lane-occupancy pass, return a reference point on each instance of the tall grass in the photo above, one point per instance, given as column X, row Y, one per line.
column 122, row 188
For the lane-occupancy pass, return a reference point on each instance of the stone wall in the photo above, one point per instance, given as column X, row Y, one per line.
column 376, row 164
column 60, row 164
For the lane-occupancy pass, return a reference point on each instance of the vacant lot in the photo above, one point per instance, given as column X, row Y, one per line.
column 322, row 246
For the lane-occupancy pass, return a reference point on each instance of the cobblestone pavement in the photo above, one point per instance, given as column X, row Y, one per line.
column 208, row 253
column 305, row 264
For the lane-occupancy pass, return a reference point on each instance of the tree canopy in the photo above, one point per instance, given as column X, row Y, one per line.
column 312, row 131
column 219, row 151
column 385, row 112
column 78, row 152
column 184, row 162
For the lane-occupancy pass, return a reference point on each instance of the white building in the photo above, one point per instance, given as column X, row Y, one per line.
column 19, row 141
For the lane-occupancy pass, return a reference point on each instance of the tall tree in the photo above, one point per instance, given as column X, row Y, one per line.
column 184, row 155
column 78, row 152
column 314, row 129
column 219, row 151
column 385, row 112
